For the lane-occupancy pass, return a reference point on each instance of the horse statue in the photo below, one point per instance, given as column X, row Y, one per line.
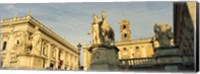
column 107, row 31
column 101, row 31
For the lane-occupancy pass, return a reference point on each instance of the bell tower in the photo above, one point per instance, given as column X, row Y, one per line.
column 125, row 30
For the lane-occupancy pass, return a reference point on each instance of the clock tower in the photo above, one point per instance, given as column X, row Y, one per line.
column 125, row 30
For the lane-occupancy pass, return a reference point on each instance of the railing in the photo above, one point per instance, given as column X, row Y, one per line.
column 139, row 61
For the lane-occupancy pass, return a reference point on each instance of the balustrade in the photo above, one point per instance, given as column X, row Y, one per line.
column 139, row 61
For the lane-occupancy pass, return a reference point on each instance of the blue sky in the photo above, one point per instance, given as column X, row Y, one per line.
column 72, row 21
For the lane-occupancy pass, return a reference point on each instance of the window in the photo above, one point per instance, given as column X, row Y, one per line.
column 53, row 52
column 136, row 47
column 17, row 41
column 125, row 49
column 44, row 49
column 59, row 54
column 125, row 35
column 51, row 65
column 124, row 26
column 29, row 49
column 4, row 45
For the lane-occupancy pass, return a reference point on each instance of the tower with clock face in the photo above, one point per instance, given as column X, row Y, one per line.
column 125, row 30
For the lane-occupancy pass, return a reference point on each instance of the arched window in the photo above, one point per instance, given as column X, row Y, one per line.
column 124, row 26
column 125, row 35
column 44, row 49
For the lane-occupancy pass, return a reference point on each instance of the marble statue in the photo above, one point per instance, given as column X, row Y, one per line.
column 101, row 31
column 36, row 41
column 163, row 34
column 107, row 31
column 96, row 31
column 104, row 52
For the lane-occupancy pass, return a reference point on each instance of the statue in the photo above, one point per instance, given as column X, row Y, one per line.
column 104, row 52
column 96, row 30
column 107, row 31
column 36, row 41
column 102, row 33
column 167, row 55
column 163, row 34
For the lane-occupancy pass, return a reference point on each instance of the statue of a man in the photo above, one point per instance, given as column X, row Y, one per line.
column 96, row 30
column 101, row 31
column 36, row 41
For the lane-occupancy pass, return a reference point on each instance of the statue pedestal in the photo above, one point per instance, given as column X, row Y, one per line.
column 104, row 58
column 169, row 57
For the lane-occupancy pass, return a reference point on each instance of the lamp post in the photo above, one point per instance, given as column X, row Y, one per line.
column 79, row 48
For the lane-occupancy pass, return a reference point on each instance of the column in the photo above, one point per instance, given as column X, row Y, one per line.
column 56, row 57
column 69, row 62
column 49, row 50
column 63, row 59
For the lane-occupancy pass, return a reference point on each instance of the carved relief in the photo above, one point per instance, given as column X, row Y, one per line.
column 20, row 43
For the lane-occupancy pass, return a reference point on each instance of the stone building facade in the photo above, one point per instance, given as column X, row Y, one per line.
column 28, row 44
column 185, row 29
column 185, row 26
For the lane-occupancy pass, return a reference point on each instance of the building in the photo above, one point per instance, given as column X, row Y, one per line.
column 128, row 48
column 28, row 44
column 138, row 48
column 185, row 29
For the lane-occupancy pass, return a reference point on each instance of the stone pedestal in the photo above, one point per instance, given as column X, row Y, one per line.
column 104, row 58
column 170, row 58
